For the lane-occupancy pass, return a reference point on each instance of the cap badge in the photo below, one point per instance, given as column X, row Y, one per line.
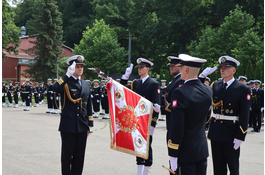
column 139, row 61
column 79, row 59
column 223, row 59
column 169, row 59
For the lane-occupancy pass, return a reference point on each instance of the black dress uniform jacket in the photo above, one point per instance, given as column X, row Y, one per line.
column 76, row 116
column 190, row 104
column 257, row 98
column 235, row 102
column 166, row 109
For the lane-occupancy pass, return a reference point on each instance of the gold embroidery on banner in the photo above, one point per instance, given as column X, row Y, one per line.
column 154, row 119
column 138, row 141
column 172, row 145
column 127, row 120
column 143, row 107
column 119, row 95
column 244, row 132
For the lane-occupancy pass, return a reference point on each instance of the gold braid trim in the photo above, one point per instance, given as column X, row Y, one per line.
column 167, row 109
column 172, row 145
column 132, row 84
column 244, row 132
column 218, row 104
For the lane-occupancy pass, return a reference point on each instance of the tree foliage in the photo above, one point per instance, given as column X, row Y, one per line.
column 101, row 49
column 10, row 32
column 46, row 26
column 238, row 37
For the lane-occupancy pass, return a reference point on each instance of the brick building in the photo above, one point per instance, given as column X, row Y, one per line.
column 14, row 65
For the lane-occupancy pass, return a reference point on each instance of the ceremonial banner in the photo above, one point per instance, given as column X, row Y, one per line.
column 130, row 120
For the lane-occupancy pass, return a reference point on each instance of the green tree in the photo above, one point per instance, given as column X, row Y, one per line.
column 47, row 28
column 10, row 32
column 238, row 37
column 101, row 49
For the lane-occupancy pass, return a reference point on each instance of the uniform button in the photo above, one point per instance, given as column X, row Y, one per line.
column 221, row 121
column 74, row 94
column 214, row 120
column 77, row 114
column 77, row 107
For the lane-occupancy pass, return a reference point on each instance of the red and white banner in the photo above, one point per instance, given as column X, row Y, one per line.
column 130, row 122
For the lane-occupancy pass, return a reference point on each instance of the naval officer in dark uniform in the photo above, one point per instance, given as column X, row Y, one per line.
column 229, row 122
column 27, row 91
column 4, row 90
column 163, row 91
column 96, row 95
column 148, row 88
column 257, row 105
column 76, row 117
column 50, row 96
column 16, row 94
column 187, row 143
column 176, row 82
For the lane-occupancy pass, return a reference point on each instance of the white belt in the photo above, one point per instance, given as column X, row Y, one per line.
column 25, row 92
column 225, row 117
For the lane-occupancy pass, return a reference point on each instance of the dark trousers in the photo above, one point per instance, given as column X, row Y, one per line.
column 3, row 98
column 9, row 97
column 16, row 99
column 149, row 161
column 73, row 152
column 105, row 103
column 193, row 168
column 23, row 97
column 27, row 98
column 95, row 104
column 256, row 118
column 225, row 155
column 36, row 96
column 50, row 101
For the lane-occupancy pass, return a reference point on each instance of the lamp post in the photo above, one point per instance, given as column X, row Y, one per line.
column 129, row 55
column 58, row 59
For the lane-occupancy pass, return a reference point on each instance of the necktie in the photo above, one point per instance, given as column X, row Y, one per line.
column 224, row 86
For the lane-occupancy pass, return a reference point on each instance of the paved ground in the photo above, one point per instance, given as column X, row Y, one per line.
column 31, row 145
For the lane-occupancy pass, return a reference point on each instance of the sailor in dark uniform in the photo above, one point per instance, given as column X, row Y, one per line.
column 23, row 95
column 229, row 122
column 50, row 96
column 242, row 79
column 32, row 94
column 76, row 116
column 103, row 84
column 148, row 88
column 96, row 95
column 104, row 101
column 27, row 94
column 163, row 91
column 175, row 83
column 16, row 94
column 10, row 93
column 42, row 92
column 257, row 106
column 37, row 94
column 4, row 91
column 56, row 96
column 187, row 143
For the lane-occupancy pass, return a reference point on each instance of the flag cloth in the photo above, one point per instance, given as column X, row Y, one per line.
column 131, row 116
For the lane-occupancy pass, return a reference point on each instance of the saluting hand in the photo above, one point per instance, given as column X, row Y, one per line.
column 127, row 72
column 71, row 70
column 208, row 71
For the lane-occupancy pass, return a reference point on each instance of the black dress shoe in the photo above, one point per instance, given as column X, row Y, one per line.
column 48, row 112
column 253, row 130
column 257, row 130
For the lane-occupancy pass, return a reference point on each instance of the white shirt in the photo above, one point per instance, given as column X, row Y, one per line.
column 190, row 79
column 229, row 82
column 78, row 79
column 143, row 80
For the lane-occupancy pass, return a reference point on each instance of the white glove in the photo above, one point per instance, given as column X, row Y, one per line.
column 173, row 163
column 28, row 97
column 250, row 108
column 261, row 109
column 71, row 70
column 102, row 95
column 11, row 95
column 157, row 107
column 51, row 98
column 18, row 94
column 97, row 101
column 109, row 80
column 127, row 72
column 51, row 92
column 57, row 98
column 45, row 92
column 92, row 96
column 3, row 94
column 152, row 130
column 208, row 71
column 32, row 94
column 237, row 143
column 89, row 132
